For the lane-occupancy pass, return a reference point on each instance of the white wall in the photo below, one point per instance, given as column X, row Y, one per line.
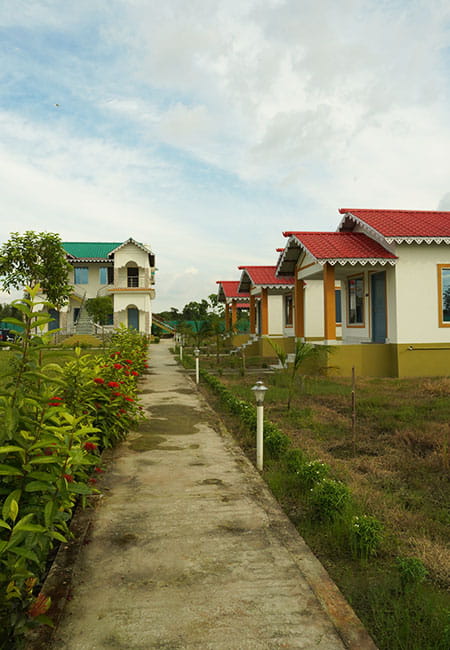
column 418, row 302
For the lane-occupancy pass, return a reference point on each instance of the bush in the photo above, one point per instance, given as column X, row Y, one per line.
column 365, row 536
column 54, row 423
column 329, row 498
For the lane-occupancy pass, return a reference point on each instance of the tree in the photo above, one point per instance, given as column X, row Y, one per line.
column 36, row 258
column 100, row 309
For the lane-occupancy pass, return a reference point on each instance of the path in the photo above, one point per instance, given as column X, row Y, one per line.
column 189, row 549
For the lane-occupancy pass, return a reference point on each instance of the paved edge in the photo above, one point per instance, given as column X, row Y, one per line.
column 58, row 582
column 349, row 627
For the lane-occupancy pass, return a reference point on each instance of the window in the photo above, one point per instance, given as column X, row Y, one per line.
column 444, row 295
column 288, row 310
column 133, row 276
column 337, row 295
column 356, row 301
column 80, row 275
column 103, row 275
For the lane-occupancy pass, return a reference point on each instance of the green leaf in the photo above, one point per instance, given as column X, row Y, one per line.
column 24, row 552
column 33, row 528
column 25, row 520
column 49, row 513
column 38, row 486
column 15, row 321
column 10, row 508
column 44, row 460
column 7, row 449
column 55, row 535
column 79, row 488
column 8, row 470
column 3, row 524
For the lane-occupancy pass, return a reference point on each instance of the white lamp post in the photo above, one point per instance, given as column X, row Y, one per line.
column 260, row 391
column 197, row 365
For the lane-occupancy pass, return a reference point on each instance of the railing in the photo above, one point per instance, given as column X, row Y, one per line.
column 133, row 281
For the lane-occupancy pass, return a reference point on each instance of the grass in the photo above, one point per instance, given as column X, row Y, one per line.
column 399, row 473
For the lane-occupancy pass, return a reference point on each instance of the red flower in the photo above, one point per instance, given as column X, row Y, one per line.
column 90, row 446
column 128, row 361
column 113, row 384
column 146, row 365
column 92, row 481
column 49, row 452
column 40, row 605
column 98, row 470
column 115, row 354
column 122, row 411
column 99, row 380
column 116, row 394
column 129, row 399
column 55, row 398
column 54, row 404
column 68, row 477
column 134, row 373
column 127, row 373
column 118, row 366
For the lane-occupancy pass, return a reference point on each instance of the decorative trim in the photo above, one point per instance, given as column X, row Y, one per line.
column 353, row 261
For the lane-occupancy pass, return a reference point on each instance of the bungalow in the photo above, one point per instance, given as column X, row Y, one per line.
column 123, row 270
column 235, row 302
column 394, row 271
column 271, row 304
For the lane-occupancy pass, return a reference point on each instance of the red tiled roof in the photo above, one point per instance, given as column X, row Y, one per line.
column 230, row 289
column 341, row 245
column 404, row 223
column 265, row 275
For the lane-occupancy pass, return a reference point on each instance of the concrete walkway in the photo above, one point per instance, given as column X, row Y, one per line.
column 189, row 549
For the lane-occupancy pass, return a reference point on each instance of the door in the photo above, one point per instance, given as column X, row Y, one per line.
column 378, row 306
column 53, row 324
column 133, row 318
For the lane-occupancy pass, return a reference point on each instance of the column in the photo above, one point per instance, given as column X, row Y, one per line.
column 329, row 303
column 264, row 312
column 299, row 308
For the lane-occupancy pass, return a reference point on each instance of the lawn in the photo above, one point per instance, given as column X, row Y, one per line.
column 397, row 469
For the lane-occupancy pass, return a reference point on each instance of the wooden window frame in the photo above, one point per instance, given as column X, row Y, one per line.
column 362, row 324
column 442, row 322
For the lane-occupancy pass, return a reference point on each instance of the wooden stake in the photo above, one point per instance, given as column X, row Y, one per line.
column 354, row 410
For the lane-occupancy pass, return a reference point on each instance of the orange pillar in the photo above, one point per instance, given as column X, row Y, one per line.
column 264, row 312
column 329, row 303
column 252, row 315
column 227, row 316
column 233, row 314
column 299, row 308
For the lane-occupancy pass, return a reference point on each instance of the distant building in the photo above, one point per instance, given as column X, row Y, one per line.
column 123, row 270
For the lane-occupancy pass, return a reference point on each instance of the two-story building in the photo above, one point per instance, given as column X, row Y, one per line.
column 123, row 270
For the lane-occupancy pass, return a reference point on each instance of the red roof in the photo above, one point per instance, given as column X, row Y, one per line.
column 265, row 275
column 230, row 289
column 404, row 223
column 341, row 245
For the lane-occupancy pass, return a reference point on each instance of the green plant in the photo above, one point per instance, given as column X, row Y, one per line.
column 328, row 498
column 412, row 572
column 312, row 472
column 365, row 536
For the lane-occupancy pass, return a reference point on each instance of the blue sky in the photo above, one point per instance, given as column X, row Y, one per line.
column 207, row 128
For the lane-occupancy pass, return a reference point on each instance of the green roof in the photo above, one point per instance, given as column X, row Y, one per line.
column 89, row 249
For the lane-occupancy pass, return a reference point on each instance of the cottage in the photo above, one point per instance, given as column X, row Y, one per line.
column 394, row 271
column 235, row 303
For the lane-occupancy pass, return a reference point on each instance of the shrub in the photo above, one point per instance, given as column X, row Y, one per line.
column 365, row 536
column 412, row 572
column 312, row 472
column 329, row 498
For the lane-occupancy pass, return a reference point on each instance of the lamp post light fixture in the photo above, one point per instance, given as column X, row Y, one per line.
column 197, row 365
column 260, row 390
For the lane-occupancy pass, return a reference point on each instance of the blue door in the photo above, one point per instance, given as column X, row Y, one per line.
column 133, row 318
column 378, row 306
column 53, row 324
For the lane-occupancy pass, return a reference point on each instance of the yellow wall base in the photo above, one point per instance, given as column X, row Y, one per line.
column 390, row 360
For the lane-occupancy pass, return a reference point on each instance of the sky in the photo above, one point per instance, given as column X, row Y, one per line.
column 207, row 128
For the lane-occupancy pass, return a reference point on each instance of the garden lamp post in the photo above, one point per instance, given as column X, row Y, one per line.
column 197, row 365
column 260, row 391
